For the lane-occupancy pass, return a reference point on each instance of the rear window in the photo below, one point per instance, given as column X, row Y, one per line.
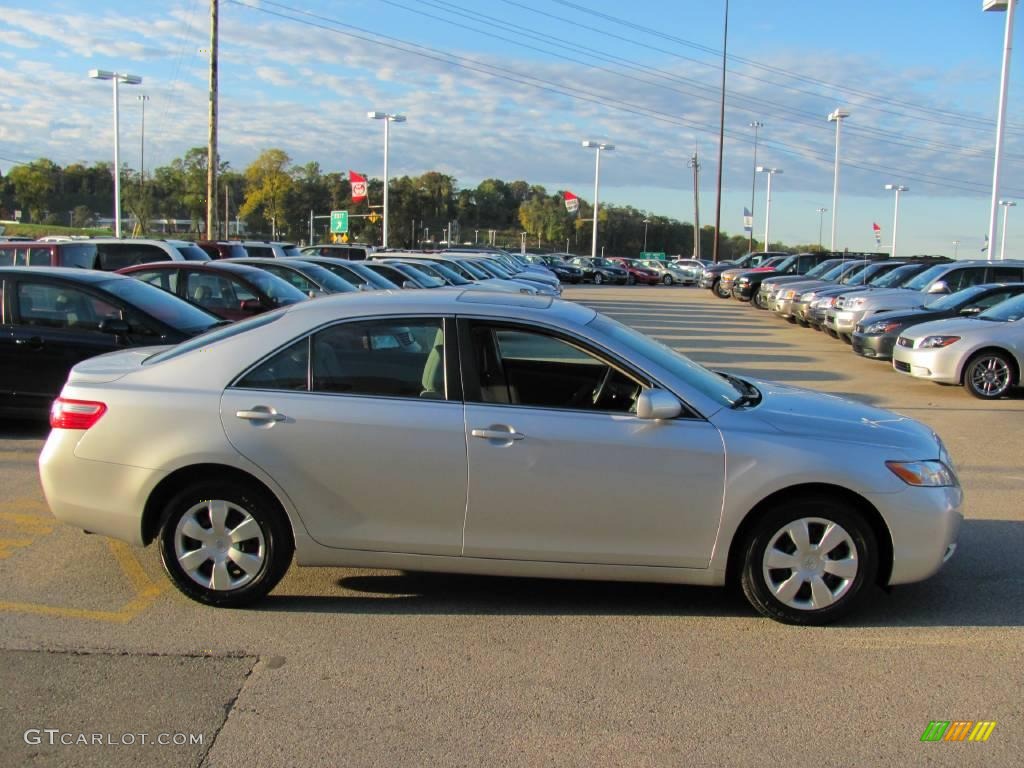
column 291, row 250
column 168, row 309
column 217, row 334
column 192, row 253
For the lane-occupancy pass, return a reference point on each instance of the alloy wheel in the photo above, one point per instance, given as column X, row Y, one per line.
column 989, row 376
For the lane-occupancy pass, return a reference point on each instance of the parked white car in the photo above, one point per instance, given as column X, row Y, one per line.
column 487, row 433
column 985, row 353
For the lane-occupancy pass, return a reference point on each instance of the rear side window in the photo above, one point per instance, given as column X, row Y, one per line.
column 965, row 278
column 39, row 257
column 78, row 255
column 287, row 370
column 114, row 256
column 261, row 251
column 164, row 279
column 1006, row 275
column 6, row 257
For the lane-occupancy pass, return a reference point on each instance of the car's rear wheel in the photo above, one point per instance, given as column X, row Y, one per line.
column 989, row 375
column 667, row 279
column 224, row 543
column 809, row 561
column 598, row 278
column 630, row 280
column 758, row 301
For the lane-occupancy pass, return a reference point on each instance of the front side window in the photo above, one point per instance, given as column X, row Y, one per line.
column 532, row 368
column 965, row 278
column 50, row 305
column 296, row 279
column 215, row 293
column 164, row 279
column 39, row 257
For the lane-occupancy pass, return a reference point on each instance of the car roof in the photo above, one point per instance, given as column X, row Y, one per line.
column 67, row 273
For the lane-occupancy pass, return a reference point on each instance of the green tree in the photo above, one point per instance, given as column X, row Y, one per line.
column 268, row 185
column 34, row 186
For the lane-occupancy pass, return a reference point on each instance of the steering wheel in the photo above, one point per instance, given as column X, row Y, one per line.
column 595, row 397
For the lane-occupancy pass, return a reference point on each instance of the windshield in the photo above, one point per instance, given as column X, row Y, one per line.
column 326, row 279
column 895, row 277
column 476, row 271
column 835, row 272
column 1009, row 311
column 786, row 263
column 954, row 300
column 449, row 274
column 697, row 376
column 922, row 280
column 822, row 268
column 419, row 275
column 165, row 307
column 851, row 270
column 211, row 337
column 494, row 269
column 376, row 280
column 864, row 276
column 773, row 262
column 192, row 253
column 291, row 250
column 281, row 291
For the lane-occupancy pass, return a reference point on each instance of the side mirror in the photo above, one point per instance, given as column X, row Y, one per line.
column 114, row 325
column 657, row 404
column 939, row 286
column 250, row 305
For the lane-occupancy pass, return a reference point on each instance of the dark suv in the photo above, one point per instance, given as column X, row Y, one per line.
column 747, row 286
column 350, row 251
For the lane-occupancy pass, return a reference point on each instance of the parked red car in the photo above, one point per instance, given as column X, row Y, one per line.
column 636, row 273
column 229, row 290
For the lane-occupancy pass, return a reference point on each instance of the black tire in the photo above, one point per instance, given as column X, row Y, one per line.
column 667, row 279
column 277, row 544
column 757, row 301
column 598, row 278
column 630, row 280
column 990, row 374
column 754, row 576
column 720, row 293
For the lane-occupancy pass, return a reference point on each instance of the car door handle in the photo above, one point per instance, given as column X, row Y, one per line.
column 32, row 343
column 261, row 413
column 498, row 434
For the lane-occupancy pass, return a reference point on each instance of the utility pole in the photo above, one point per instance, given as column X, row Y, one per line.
column 756, row 125
column 695, row 164
column 227, row 217
column 721, row 138
column 211, row 155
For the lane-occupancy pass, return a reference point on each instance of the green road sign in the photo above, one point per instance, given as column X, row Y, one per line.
column 339, row 222
column 660, row 255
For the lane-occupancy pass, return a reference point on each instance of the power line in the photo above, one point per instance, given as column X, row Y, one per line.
column 336, row 27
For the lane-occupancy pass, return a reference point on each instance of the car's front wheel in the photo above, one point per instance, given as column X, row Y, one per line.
column 225, row 543
column 989, row 375
column 808, row 561
column 667, row 279
column 721, row 292
column 758, row 300
column 630, row 280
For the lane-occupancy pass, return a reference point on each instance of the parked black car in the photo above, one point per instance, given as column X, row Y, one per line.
column 876, row 335
column 599, row 271
column 747, row 286
column 712, row 273
column 55, row 317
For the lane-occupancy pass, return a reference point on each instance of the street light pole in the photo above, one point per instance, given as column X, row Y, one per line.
column 897, row 188
column 598, row 145
column 756, row 125
column 821, row 222
column 1007, row 205
column 1004, row 85
column 768, row 202
column 388, row 119
column 695, row 164
column 646, row 222
column 956, row 248
column 117, row 77
column 142, row 98
column 837, row 116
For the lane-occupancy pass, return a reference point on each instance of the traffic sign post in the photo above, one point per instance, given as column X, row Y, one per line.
column 339, row 222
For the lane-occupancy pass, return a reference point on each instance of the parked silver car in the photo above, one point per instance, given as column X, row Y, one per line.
column 985, row 353
column 487, row 433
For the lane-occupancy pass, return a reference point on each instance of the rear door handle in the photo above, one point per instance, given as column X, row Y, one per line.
column 498, row 434
column 261, row 413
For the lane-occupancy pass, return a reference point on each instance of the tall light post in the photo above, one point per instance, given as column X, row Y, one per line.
column 598, row 145
column 756, row 125
column 768, row 202
column 836, row 117
column 142, row 99
column 1004, row 85
column 956, row 248
column 646, row 222
column 388, row 119
column 821, row 222
column 897, row 188
column 117, row 78
column 1007, row 205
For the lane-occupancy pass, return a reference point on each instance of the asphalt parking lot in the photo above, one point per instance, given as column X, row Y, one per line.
column 359, row 668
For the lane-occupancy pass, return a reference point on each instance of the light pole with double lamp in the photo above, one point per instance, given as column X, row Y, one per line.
column 1008, row 6
column 598, row 145
column 897, row 188
column 837, row 117
column 768, row 201
column 821, row 222
column 1007, row 205
column 117, row 77
column 388, row 119
column 646, row 222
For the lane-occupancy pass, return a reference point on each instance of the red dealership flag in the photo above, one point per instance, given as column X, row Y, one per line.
column 878, row 233
column 358, row 186
column 572, row 203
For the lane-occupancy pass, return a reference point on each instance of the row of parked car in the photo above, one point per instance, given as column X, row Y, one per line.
column 948, row 321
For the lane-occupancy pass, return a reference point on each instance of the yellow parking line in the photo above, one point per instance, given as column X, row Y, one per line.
column 34, row 523
column 146, row 592
column 8, row 544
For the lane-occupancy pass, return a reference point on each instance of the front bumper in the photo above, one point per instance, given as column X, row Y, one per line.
column 845, row 320
column 924, row 524
column 878, row 347
column 939, row 365
column 743, row 292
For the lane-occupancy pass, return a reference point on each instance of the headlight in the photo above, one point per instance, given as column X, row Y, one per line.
column 809, row 296
column 877, row 329
column 791, row 293
column 744, row 280
column 932, row 342
column 856, row 303
column 929, row 474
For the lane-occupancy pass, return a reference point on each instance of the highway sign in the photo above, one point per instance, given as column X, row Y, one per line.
column 374, row 217
column 339, row 222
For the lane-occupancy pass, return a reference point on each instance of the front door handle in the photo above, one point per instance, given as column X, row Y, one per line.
column 498, row 433
column 33, row 342
column 261, row 413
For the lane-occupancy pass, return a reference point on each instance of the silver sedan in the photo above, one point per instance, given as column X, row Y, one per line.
column 484, row 433
column 985, row 353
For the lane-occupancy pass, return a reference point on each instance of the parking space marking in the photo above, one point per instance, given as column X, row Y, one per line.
column 146, row 592
column 8, row 545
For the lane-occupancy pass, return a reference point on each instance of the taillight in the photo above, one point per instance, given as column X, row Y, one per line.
column 75, row 414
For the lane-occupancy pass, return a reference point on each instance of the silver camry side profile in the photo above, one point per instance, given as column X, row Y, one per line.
column 486, row 433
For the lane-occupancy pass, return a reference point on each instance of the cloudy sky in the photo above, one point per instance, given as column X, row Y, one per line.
column 508, row 88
